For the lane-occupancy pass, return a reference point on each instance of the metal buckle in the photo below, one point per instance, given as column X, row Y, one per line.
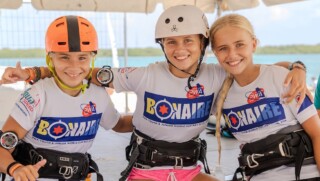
column 66, row 171
column 139, row 138
column 152, row 153
column 285, row 150
column 252, row 163
column 178, row 161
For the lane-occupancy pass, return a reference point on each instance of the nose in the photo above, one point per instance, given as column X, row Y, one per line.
column 73, row 62
column 232, row 53
column 180, row 46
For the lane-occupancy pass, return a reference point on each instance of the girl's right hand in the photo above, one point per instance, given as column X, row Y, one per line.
column 29, row 172
column 12, row 75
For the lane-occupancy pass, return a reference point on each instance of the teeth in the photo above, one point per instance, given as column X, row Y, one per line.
column 181, row 57
column 73, row 75
column 234, row 63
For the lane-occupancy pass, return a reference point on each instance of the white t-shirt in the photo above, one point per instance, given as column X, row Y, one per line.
column 55, row 120
column 166, row 109
column 255, row 111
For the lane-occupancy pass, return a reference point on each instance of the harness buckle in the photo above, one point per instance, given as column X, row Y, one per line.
column 66, row 171
column 35, row 157
column 152, row 153
column 285, row 150
column 179, row 163
column 252, row 163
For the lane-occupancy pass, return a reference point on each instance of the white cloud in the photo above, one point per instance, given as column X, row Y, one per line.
column 279, row 13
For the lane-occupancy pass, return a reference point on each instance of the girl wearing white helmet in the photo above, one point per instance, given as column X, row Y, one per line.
column 174, row 99
column 54, row 122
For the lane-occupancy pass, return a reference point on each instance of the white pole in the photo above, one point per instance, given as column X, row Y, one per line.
column 115, row 60
column 125, row 55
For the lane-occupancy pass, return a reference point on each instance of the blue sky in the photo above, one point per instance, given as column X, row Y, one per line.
column 286, row 24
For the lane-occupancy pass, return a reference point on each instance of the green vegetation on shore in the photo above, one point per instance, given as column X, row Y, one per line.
column 38, row 53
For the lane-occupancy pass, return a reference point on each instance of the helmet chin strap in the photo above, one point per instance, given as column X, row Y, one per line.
column 192, row 76
column 81, row 87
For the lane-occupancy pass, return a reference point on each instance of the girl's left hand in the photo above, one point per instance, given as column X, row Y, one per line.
column 297, row 79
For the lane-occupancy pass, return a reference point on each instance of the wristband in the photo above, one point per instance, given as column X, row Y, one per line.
column 298, row 64
column 13, row 167
column 38, row 74
column 32, row 75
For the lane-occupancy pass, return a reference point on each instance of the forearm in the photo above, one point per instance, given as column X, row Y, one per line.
column 124, row 124
column 5, row 160
column 316, row 150
column 45, row 72
column 283, row 64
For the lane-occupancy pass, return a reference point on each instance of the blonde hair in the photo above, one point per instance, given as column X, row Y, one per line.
column 234, row 20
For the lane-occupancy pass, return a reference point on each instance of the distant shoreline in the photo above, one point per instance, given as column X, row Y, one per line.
column 145, row 52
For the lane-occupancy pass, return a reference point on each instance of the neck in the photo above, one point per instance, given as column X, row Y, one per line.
column 186, row 73
column 248, row 75
column 70, row 92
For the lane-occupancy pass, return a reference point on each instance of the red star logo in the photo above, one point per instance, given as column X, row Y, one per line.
column 233, row 120
column 163, row 109
column 57, row 130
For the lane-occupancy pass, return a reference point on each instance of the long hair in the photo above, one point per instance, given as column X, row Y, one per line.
column 234, row 20
column 220, row 101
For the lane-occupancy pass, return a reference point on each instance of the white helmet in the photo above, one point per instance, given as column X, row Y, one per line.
column 181, row 20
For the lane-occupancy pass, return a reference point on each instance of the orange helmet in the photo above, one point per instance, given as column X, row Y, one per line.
column 71, row 34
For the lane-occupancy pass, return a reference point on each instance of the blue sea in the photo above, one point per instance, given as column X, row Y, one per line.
column 312, row 61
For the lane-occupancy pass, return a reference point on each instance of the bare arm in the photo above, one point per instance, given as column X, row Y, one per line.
column 124, row 124
column 312, row 127
column 29, row 172
column 14, row 74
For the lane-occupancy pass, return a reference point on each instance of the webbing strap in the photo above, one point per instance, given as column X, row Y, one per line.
column 293, row 149
column 133, row 159
column 238, row 170
column 203, row 156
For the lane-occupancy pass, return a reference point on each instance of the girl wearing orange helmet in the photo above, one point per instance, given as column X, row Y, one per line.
column 56, row 120
column 174, row 99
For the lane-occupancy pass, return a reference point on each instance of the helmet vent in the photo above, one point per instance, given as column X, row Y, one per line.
column 62, row 43
column 82, row 23
column 85, row 43
column 180, row 19
column 59, row 24
column 167, row 21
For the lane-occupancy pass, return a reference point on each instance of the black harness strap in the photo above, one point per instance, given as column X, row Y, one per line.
column 60, row 165
column 290, row 146
column 132, row 161
column 147, row 153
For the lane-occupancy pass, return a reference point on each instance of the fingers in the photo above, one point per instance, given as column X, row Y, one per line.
column 288, row 79
column 296, row 80
column 18, row 65
column 7, row 77
column 25, row 173
column 40, row 164
column 29, row 172
column 301, row 98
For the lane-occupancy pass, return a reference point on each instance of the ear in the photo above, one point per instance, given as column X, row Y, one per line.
column 254, row 44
